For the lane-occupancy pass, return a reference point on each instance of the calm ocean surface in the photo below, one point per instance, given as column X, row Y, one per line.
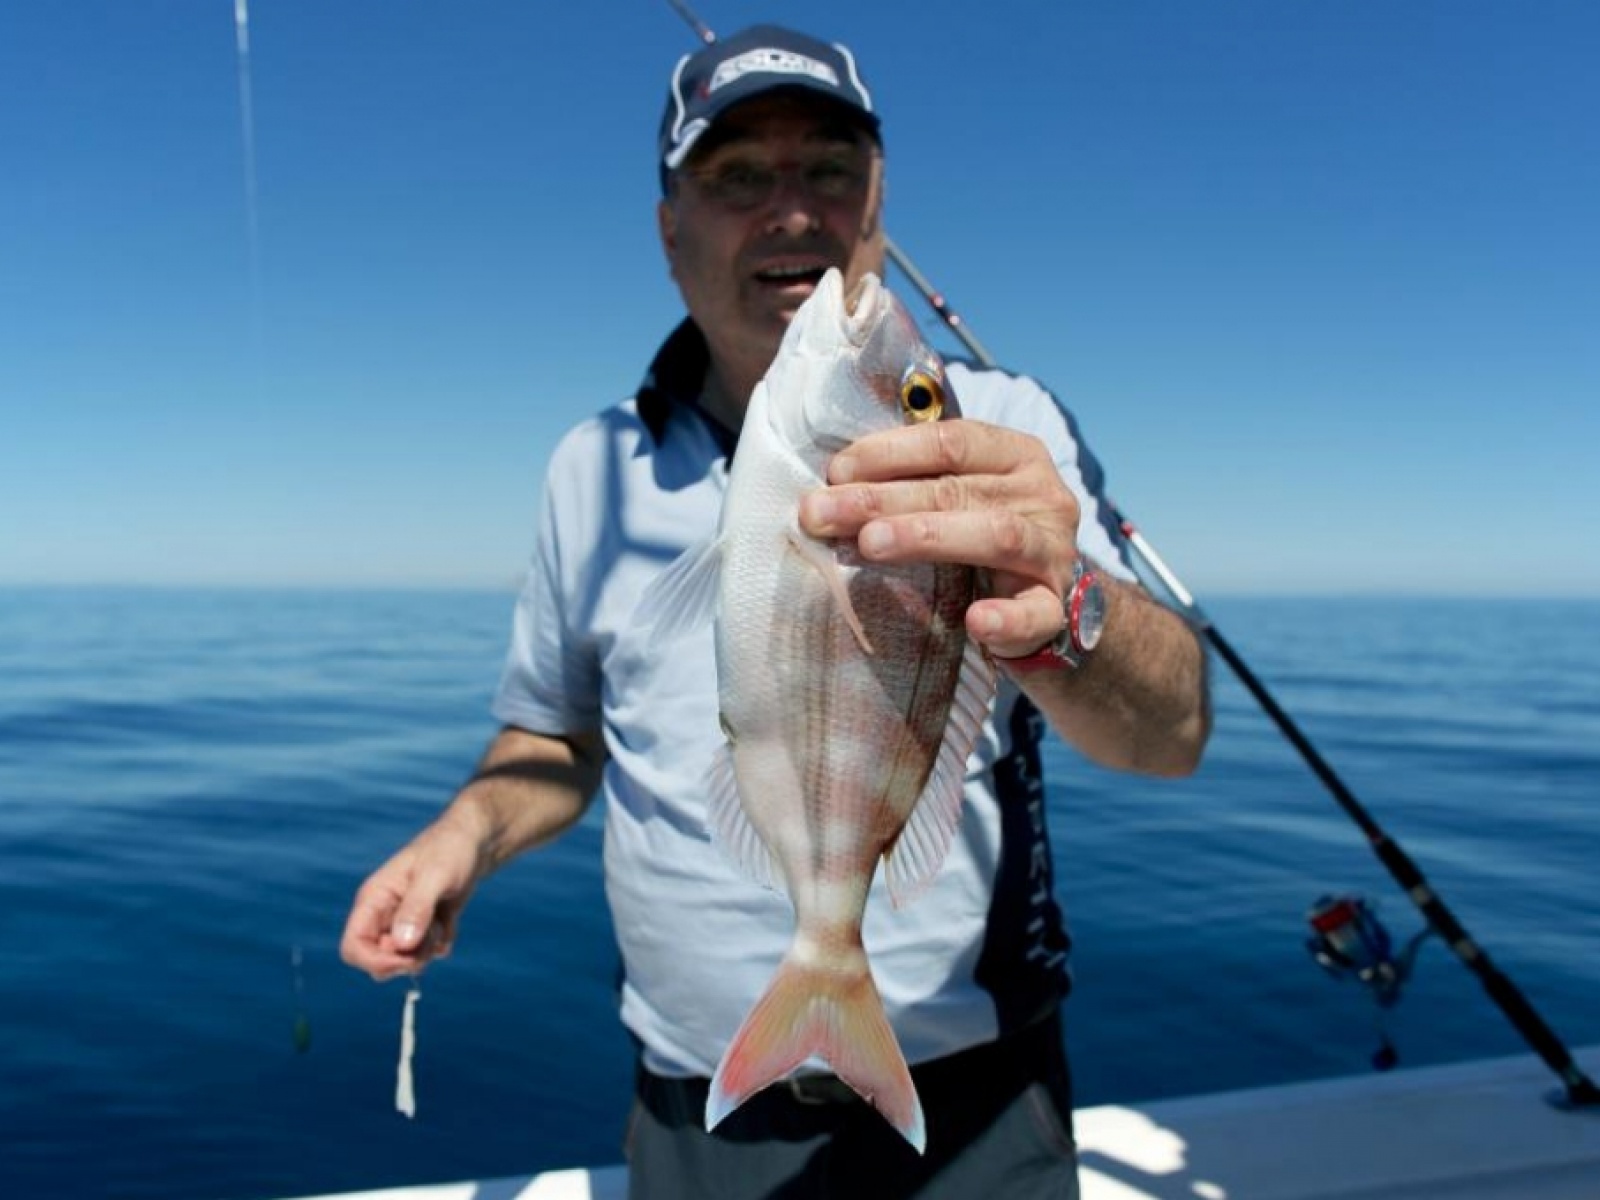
column 192, row 784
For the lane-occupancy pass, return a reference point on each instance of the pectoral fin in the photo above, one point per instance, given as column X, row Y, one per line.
column 820, row 557
column 683, row 597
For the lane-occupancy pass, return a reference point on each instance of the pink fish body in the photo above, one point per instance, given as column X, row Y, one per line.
column 850, row 696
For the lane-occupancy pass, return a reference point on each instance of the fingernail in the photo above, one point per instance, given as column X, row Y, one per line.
column 989, row 622
column 821, row 510
column 877, row 538
column 842, row 469
column 405, row 934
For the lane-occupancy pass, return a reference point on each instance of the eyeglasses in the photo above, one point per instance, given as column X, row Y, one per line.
column 742, row 185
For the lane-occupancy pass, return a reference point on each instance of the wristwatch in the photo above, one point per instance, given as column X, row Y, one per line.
column 1083, row 621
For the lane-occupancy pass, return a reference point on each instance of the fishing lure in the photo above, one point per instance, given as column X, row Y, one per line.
column 405, row 1094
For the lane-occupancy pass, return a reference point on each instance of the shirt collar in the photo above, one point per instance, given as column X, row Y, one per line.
column 676, row 376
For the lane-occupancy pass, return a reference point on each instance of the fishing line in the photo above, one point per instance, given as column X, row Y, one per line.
column 1581, row 1091
column 247, row 134
column 301, row 1028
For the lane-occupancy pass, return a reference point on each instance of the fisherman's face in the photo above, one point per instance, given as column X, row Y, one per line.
column 781, row 188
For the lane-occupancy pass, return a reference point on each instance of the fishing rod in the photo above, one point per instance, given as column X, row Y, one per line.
column 701, row 29
column 1581, row 1091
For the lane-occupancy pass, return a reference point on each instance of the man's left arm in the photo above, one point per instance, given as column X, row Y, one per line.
column 991, row 497
column 1140, row 700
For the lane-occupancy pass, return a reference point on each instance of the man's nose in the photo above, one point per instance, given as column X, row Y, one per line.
column 793, row 208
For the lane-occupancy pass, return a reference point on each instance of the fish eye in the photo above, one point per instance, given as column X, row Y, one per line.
column 921, row 396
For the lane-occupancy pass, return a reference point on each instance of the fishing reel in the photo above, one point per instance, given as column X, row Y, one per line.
column 1349, row 942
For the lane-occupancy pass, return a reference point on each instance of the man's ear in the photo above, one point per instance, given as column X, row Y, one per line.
column 667, row 227
column 874, row 227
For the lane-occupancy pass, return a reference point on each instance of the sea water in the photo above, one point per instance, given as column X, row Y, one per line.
column 193, row 784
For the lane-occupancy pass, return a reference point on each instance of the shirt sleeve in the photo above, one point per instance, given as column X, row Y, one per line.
column 1023, row 403
column 551, row 679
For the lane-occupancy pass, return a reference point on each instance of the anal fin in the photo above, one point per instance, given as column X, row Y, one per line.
column 919, row 851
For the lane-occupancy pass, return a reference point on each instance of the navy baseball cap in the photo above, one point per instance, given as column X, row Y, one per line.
column 760, row 59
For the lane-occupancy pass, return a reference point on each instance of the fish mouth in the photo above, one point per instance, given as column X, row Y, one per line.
column 859, row 308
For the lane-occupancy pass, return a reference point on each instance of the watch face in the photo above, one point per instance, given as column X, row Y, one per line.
column 1087, row 619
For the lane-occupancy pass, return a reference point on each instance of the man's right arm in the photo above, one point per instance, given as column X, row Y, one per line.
column 528, row 789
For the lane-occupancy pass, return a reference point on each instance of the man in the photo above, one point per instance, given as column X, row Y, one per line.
column 772, row 171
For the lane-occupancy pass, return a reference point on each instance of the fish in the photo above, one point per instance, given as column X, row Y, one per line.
column 850, row 695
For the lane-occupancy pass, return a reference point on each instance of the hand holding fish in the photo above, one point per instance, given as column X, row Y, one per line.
column 961, row 491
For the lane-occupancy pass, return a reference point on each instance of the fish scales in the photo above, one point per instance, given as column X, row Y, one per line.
column 855, row 740
column 876, row 726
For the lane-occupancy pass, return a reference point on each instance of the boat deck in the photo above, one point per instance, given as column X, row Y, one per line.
column 1475, row 1131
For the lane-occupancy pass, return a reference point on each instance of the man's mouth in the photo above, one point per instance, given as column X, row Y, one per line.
column 792, row 275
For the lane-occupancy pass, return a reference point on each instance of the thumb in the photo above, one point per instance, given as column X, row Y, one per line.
column 438, row 881
column 412, row 919
column 424, row 921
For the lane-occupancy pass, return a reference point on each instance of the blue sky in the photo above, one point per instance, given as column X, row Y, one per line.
column 1321, row 281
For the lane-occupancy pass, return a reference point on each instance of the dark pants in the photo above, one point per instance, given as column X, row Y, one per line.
column 999, row 1121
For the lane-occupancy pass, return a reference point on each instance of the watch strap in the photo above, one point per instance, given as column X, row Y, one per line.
column 1064, row 651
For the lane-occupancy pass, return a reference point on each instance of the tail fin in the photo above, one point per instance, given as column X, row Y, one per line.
column 839, row 1018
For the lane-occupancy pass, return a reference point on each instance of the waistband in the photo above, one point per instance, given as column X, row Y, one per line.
column 986, row 1077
